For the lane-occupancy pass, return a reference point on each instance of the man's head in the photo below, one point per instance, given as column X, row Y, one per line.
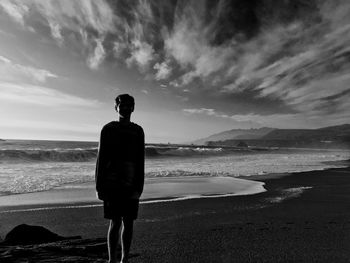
column 124, row 105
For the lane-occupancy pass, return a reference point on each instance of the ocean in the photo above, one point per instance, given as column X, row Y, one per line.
column 28, row 166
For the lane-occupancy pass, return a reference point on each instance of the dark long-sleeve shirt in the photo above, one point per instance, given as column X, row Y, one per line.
column 120, row 161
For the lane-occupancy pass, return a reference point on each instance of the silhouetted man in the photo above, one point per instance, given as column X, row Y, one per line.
column 120, row 175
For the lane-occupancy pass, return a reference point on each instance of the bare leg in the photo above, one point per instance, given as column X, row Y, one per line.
column 112, row 239
column 127, row 231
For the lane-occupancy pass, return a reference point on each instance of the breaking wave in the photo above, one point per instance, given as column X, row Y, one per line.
column 183, row 151
column 89, row 154
column 54, row 155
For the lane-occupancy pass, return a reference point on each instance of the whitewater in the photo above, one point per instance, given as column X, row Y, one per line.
column 33, row 166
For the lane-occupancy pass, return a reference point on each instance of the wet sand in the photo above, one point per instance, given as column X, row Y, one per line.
column 302, row 217
column 156, row 189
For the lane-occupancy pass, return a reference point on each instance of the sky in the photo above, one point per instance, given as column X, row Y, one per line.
column 194, row 67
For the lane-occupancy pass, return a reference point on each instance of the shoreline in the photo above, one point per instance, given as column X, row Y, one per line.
column 82, row 195
column 156, row 190
column 302, row 217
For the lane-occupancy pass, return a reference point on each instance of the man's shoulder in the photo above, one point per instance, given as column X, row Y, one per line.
column 109, row 125
column 137, row 127
column 116, row 125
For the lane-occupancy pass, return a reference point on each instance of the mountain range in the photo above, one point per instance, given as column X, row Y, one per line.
column 327, row 137
column 237, row 134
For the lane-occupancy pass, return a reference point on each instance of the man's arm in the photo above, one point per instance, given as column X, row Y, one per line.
column 101, row 162
column 140, row 179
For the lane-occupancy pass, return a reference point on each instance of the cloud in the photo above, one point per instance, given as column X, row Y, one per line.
column 174, row 83
column 299, row 62
column 214, row 113
column 141, row 54
column 89, row 19
column 42, row 96
column 44, row 126
column 299, row 59
column 16, row 10
column 97, row 57
column 75, row 15
column 189, row 45
column 5, row 60
column 119, row 48
column 163, row 70
column 288, row 120
column 210, row 112
column 56, row 32
column 241, row 121
column 302, row 79
column 183, row 44
column 287, row 51
column 10, row 71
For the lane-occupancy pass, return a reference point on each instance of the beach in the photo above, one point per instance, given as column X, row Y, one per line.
column 229, row 122
column 301, row 217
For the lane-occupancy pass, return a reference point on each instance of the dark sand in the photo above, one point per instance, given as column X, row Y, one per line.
column 303, row 217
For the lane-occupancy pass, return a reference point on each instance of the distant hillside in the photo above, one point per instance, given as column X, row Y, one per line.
column 239, row 134
column 324, row 134
column 328, row 137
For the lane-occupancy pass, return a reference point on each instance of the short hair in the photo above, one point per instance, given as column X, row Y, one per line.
column 124, row 98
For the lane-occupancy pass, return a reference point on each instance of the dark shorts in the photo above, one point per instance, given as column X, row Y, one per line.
column 121, row 208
